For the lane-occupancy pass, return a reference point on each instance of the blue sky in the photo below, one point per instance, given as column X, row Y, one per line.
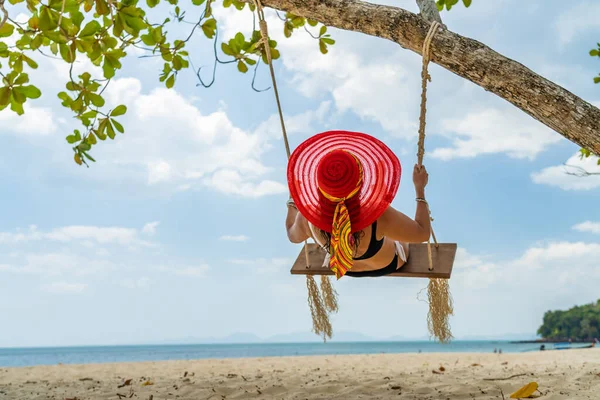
column 177, row 230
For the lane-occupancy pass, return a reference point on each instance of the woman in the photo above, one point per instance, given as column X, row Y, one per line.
column 341, row 185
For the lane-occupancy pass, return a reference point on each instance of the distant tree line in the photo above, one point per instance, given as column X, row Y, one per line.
column 580, row 323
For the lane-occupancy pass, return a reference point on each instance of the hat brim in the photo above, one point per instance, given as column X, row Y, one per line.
column 381, row 178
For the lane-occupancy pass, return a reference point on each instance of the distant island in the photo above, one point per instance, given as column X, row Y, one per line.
column 577, row 324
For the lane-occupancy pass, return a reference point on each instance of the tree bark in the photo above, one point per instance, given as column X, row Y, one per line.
column 552, row 105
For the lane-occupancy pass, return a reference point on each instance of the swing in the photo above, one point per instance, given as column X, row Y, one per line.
column 423, row 262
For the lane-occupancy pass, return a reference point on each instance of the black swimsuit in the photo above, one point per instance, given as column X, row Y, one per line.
column 374, row 246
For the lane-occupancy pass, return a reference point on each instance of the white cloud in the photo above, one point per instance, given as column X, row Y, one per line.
column 159, row 171
column 117, row 235
column 150, row 227
column 561, row 175
column 235, row 238
column 383, row 87
column 35, row 121
column 198, row 271
column 64, row 287
column 580, row 18
column 88, row 235
column 130, row 283
column 588, row 226
column 232, row 182
column 306, row 123
column 266, row 266
column 172, row 143
column 490, row 131
column 58, row 264
column 542, row 268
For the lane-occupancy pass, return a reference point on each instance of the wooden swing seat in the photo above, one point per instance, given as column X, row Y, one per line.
column 416, row 267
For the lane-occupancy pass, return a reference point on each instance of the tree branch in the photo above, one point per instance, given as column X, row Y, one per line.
column 429, row 11
column 581, row 172
column 4, row 14
column 552, row 105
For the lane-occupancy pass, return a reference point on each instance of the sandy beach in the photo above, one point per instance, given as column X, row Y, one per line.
column 570, row 374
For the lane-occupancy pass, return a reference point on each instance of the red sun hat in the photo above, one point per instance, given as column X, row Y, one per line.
column 336, row 165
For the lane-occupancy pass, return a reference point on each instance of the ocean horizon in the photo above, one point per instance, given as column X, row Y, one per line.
column 31, row 356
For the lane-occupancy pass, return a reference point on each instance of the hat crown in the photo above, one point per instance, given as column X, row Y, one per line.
column 338, row 173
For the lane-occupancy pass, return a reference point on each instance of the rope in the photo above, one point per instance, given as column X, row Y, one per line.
column 438, row 291
column 422, row 121
column 319, row 305
column 265, row 39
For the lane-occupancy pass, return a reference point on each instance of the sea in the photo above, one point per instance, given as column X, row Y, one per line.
column 21, row 357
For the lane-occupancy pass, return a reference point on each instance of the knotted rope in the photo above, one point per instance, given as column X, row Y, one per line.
column 320, row 304
column 438, row 290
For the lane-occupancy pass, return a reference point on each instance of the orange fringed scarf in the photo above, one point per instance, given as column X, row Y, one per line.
column 340, row 248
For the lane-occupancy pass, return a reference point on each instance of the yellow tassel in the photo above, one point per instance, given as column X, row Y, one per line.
column 320, row 319
column 329, row 295
column 440, row 308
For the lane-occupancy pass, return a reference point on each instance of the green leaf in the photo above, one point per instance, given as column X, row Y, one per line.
column 6, row 30
column 148, row 40
column 66, row 53
column 594, row 53
column 323, row 30
column 117, row 125
column 209, row 27
column 71, row 139
column 77, row 159
column 66, row 99
column 226, row 49
column 92, row 138
column 90, row 29
column 4, row 96
column 101, row 135
column 102, row 7
column 119, row 110
column 31, row 91
column 77, row 18
column 21, row 79
column 109, row 130
column 242, row 67
column 171, row 81
column 88, row 156
column 467, row 3
column 322, row 46
column 37, row 42
column 48, row 19
column 197, row 2
column 312, row 22
column 152, row 3
column 18, row 95
column 597, row 79
column 239, row 5
column 15, row 105
column 328, row 40
column 96, row 99
column 84, row 146
column 32, row 64
column 177, row 63
column 108, row 70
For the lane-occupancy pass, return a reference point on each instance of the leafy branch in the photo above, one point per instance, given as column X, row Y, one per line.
column 102, row 31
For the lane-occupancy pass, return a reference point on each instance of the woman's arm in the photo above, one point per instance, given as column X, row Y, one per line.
column 296, row 225
column 398, row 226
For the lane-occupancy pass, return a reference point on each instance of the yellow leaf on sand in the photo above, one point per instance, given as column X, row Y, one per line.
column 148, row 383
column 525, row 392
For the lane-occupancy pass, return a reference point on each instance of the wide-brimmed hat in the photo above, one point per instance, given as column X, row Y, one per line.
column 343, row 181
